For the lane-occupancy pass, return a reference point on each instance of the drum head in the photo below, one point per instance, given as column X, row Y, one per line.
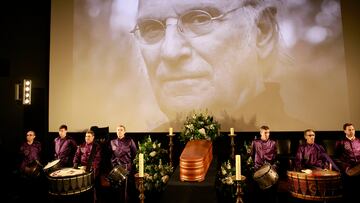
column 325, row 173
column 67, row 172
column 51, row 164
column 263, row 170
column 118, row 174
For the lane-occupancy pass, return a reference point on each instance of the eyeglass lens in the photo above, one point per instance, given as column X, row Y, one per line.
column 192, row 23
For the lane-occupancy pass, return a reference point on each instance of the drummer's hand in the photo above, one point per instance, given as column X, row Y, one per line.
column 307, row 171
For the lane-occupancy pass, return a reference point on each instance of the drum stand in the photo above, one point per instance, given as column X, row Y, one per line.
column 171, row 144
column 232, row 144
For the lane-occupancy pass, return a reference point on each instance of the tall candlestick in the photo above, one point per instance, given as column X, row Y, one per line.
column 170, row 131
column 141, row 165
column 231, row 131
column 238, row 167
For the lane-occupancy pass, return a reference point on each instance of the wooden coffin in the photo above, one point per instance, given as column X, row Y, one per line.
column 195, row 160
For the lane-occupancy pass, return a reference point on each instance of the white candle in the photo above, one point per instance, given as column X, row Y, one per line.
column 170, row 131
column 330, row 167
column 231, row 131
column 141, row 165
column 238, row 167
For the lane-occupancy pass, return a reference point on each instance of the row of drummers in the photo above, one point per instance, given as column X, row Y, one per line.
column 82, row 166
column 316, row 176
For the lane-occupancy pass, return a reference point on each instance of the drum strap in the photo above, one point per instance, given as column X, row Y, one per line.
column 91, row 157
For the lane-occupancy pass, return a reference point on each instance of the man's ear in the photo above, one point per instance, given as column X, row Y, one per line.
column 267, row 35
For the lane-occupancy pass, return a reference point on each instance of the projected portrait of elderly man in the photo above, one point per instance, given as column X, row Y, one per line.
column 212, row 54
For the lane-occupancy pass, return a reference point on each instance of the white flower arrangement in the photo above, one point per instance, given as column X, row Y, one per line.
column 157, row 173
column 200, row 126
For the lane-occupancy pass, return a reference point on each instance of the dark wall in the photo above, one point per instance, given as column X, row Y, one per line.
column 24, row 53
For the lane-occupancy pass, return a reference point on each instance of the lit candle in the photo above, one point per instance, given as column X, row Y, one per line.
column 170, row 131
column 238, row 167
column 141, row 165
column 330, row 167
column 231, row 131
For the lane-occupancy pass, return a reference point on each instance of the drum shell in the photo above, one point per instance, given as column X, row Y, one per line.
column 318, row 186
column 118, row 174
column 33, row 169
column 70, row 185
column 266, row 176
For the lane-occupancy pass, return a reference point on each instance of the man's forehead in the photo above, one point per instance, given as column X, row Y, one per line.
column 161, row 8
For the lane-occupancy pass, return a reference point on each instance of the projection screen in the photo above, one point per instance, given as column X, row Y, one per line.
column 149, row 64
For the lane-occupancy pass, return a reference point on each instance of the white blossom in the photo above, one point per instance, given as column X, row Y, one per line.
column 152, row 154
column 223, row 171
column 229, row 180
column 228, row 165
column 202, row 131
column 165, row 179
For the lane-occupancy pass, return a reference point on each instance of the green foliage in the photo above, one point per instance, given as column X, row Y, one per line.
column 225, row 183
column 200, row 126
column 245, row 152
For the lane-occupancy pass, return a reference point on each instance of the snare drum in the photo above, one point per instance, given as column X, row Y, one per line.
column 320, row 185
column 33, row 169
column 69, row 181
column 118, row 175
column 52, row 166
column 266, row 176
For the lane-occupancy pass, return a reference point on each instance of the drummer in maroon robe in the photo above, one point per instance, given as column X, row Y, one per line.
column 31, row 184
column 348, row 150
column 30, row 152
column 88, row 154
column 65, row 147
column 311, row 155
column 264, row 149
column 123, row 150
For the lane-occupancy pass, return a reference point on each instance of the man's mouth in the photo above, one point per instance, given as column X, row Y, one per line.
column 185, row 87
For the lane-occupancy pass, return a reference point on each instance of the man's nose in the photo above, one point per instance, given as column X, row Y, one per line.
column 175, row 46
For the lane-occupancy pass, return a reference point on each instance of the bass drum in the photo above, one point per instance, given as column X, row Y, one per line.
column 266, row 176
column 52, row 166
column 117, row 175
column 70, row 181
column 320, row 185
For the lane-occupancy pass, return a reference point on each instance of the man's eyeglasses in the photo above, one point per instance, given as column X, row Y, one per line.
column 192, row 23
